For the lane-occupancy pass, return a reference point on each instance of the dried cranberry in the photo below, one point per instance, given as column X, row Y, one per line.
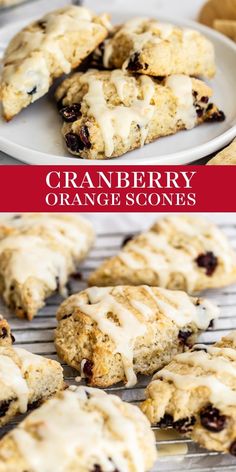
column 42, row 24
column 208, row 261
column 166, row 421
column 184, row 335
column 212, row 420
column 88, row 369
column 4, row 333
column 96, row 468
column 216, row 116
column 195, row 93
column 232, row 449
column 127, row 239
column 134, row 63
column 184, row 425
column 4, row 407
column 204, row 99
column 70, row 113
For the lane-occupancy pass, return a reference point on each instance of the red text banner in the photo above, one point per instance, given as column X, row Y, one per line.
column 117, row 188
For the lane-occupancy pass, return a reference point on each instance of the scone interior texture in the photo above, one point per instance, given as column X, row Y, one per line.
column 44, row 50
column 178, row 252
column 196, row 394
column 226, row 157
column 80, row 429
column 147, row 46
column 6, row 337
column 38, row 252
column 111, row 334
column 108, row 113
column 25, row 379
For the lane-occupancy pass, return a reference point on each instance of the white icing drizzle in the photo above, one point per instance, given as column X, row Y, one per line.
column 72, row 232
column 181, row 86
column 180, row 308
column 68, row 430
column 117, row 120
column 161, row 257
column 28, row 359
column 156, row 252
column 219, row 351
column 12, row 377
column 177, row 306
column 219, row 394
column 33, row 257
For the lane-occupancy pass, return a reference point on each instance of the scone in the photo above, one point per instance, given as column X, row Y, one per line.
column 81, row 429
column 9, row 3
column 108, row 113
column 147, row 46
column 6, row 337
column 38, row 252
column 196, row 394
column 227, row 157
column 44, row 50
column 111, row 334
column 178, row 252
column 25, row 380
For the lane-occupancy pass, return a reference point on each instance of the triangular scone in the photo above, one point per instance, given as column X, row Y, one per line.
column 44, row 50
column 25, row 379
column 82, row 429
column 178, row 252
column 196, row 394
column 111, row 334
column 38, row 252
column 108, row 113
column 148, row 46
column 226, row 157
column 6, row 338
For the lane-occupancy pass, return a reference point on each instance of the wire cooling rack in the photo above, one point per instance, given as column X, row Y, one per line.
column 176, row 453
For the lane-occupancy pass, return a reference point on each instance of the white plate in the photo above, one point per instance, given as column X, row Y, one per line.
column 34, row 135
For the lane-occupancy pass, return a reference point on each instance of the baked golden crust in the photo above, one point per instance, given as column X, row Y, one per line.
column 111, row 334
column 196, row 394
column 44, row 50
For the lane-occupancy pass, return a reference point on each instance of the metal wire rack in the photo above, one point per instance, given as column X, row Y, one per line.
column 176, row 453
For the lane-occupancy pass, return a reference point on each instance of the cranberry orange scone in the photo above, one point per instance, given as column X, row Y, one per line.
column 108, row 113
column 147, row 46
column 196, row 394
column 25, row 379
column 37, row 257
column 6, row 337
column 44, row 50
column 111, row 334
column 81, row 429
column 178, row 252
